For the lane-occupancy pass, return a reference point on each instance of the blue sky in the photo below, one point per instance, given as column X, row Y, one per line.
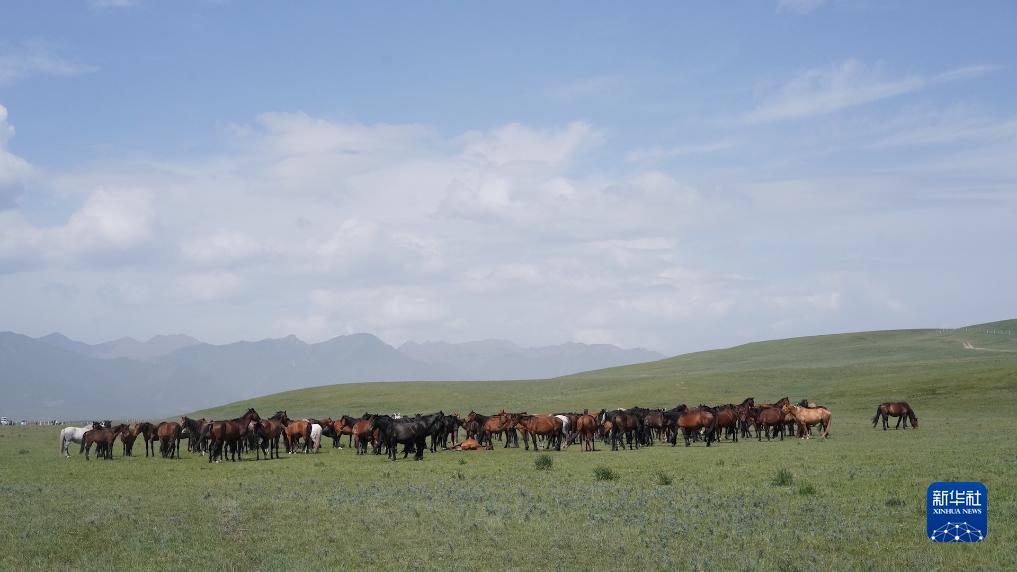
column 674, row 176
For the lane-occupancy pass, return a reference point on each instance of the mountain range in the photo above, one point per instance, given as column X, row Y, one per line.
column 54, row 376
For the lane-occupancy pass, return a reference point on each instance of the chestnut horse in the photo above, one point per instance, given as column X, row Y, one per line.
column 500, row 424
column 547, row 426
column 808, row 416
column 700, row 418
column 727, row 421
column 169, row 439
column 363, row 433
column 767, row 417
column 586, row 429
column 899, row 409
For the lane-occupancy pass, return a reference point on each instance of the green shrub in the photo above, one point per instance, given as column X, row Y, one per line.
column 783, row 478
column 543, row 462
column 604, row 474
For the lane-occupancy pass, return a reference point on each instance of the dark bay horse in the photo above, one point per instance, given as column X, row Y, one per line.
column 899, row 409
column 103, row 438
column 169, row 439
column 268, row 432
column 624, row 424
column 195, row 434
column 228, row 433
column 767, row 418
column 128, row 435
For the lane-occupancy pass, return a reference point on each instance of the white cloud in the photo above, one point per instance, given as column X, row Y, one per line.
column 651, row 154
column 318, row 228
column 210, row 286
column 517, row 143
column 29, row 59
column 14, row 171
column 115, row 220
column 223, row 247
column 821, row 91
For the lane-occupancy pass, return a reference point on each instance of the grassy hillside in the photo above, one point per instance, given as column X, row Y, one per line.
column 853, row 502
column 849, row 370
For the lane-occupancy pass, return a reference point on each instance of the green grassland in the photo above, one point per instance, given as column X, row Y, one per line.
column 855, row 501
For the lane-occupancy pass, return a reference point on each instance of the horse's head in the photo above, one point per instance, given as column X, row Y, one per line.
column 252, row 414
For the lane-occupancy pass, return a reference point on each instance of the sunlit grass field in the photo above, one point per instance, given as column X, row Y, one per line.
column 855, row 501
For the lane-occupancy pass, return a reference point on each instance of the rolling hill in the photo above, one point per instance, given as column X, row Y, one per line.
column 853, row 370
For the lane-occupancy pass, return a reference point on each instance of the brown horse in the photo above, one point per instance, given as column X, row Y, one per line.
column 744, row 410
column 363, row 433
column 146, row 431
column 102, row 438
column 899, row 409
column 169, row 439
column 767, row 418
column 229, row 433
column 727, row 421
column 806, row 417
column 586, row 428
column 344, row 426
column 499, row 424
column 195, row 429
column 128, row 435
column 269, row 432
column 624, row 425
column 701, row 418
column 546, row 426
column 469, row 444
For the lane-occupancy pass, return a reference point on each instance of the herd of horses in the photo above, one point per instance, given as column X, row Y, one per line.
column 630, row 428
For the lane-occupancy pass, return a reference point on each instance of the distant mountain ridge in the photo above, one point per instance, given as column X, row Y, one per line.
column 501, row 359
column 54, row 376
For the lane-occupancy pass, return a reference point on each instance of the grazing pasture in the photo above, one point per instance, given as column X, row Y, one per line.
column 854, row 501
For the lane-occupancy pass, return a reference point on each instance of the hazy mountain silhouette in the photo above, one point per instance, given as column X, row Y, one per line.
column 57, row 377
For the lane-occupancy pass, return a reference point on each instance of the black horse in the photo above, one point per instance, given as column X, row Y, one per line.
column 408, row 431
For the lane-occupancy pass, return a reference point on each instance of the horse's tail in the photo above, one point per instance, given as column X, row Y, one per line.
column 829, row 420
column 61, row 441
column 82, row 448
column 875, row 419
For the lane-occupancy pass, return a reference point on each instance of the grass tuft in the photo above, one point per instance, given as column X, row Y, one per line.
column 783, row 478
column 604, row 474
column 894, row 501
column 664, row 479
column 543, row 462
column 806, row 490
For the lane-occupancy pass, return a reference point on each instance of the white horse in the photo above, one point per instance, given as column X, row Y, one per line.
column 315, row 437
column 565, row 430
column 72, row 435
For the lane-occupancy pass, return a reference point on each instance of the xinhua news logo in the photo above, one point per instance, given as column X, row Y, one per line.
column 957, row 512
